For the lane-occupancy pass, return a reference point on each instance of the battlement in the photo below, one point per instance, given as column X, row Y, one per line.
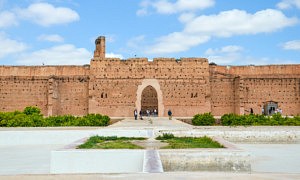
column 251, row 70
column 44, row 70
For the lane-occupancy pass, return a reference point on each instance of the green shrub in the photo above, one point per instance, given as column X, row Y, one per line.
column 226, row 119
column 32, row 117
column 205, row 119
column 31, row 110
column 258, row 120
column 165, row 136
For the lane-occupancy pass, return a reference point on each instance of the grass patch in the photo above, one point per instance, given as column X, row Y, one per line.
column 188, row 142
column 110, row 142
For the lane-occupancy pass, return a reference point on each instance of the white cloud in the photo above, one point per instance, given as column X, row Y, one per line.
column 142, row 12
column 135, row 42
column 238, row 22
column 292, row 45
column 224, row 55
column 286, row 4
column 66, row 54
column 113, row 55
column 176, row 42
column 186, row 17
column 10, row 46
column 188, row 5
column 46, row 14
column 7, row 19
column 51, row 38
column 168, row 7
column 233, row 54
column 225, row 49
column 201, row 29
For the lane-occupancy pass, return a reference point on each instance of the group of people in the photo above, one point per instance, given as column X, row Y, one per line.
column 148, row 112
column 270, row 111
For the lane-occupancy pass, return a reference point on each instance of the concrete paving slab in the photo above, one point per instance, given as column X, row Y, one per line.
column 26, row 159
column 162, row 176
column 275, row 158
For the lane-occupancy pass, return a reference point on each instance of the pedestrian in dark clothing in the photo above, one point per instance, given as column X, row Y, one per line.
column 141, row 115
column 170, row 114
column 251, row 111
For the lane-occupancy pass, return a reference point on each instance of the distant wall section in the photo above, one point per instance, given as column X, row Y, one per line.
column 57, row 90
column 244, row 87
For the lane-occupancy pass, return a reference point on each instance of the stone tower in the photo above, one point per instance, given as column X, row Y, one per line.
column 100, row 47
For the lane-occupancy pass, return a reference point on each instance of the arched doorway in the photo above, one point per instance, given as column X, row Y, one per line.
column 154, row 84
column 149, row 100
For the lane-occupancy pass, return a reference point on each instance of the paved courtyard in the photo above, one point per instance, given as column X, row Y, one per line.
column 268, row 161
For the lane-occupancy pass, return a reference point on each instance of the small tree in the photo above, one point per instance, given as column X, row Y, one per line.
column 206, row 119
column 31, row 110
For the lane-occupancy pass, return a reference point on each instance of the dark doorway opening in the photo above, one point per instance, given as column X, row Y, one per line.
column 149, row 102
column 270, row 107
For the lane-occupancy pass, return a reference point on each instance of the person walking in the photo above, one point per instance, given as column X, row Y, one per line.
column 170, row 114
column 141, row 115
column 135, row 114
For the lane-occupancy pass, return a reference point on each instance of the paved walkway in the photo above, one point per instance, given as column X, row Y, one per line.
column 151, row 123
column 161, row 176
column 271, row 161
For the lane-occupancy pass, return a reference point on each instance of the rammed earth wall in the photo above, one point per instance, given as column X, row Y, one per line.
column 114, row 87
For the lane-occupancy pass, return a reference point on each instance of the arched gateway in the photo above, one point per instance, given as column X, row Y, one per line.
column 149, row 100
column 149, row 96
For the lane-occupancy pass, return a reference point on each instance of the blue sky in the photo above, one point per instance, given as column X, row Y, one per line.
column 231, row 32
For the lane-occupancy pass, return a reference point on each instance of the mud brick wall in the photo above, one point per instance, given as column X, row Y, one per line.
column 115, row 87
column 253, row 85
column 56, row 90
column 17, row 92
column 284, row 90
column 69, row 95
column 222, row 94
column 184, row 84
column 114, row 97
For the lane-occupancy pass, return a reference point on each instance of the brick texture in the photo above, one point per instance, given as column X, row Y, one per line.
column 116, row 87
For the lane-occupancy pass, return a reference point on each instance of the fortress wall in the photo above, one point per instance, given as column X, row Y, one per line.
column 184, row 84
column 114, row 97
column 70, row 95
column 18, row 92
column 285, row 91
column 258, row 84
column 222, row 95
column 22, row 86
column 260, row 70
column 186, row 97
column 44, row 70
column 160, row 68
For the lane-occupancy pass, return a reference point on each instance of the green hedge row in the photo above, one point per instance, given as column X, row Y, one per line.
column 32, row 117
column 259, row 120
column 207, row 119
